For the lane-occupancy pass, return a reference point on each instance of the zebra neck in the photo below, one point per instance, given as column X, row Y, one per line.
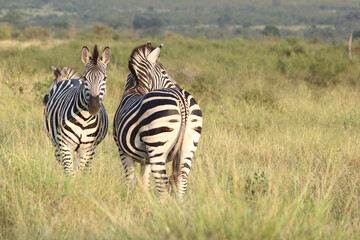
column 83, row 103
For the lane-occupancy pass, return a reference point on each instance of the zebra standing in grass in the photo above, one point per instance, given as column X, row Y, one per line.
column 75, row 119
column 156, row 122
column 61, row 73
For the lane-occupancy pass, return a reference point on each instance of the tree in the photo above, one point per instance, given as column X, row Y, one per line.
column 116, row 21
column 5, row 30
column 356, row 34
column 271, row 30
column 14, row 17
column 276, row 3
column 143, row 22
column 223, row 20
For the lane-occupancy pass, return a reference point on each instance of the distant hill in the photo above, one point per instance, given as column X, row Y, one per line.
column 213, row 19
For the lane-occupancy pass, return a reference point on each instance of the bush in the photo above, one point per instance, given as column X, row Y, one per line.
column 102, row 30
column 14, row 17
column 271, row 31
column 69, row 33
column 5, row 31
column 35, row 33
column 323, row 71
column 117, row 21
column 144, row 22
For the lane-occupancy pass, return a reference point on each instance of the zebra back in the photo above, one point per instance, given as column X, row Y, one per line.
column 61, row 73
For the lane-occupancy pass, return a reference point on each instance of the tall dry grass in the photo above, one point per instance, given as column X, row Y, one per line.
column 278, row 157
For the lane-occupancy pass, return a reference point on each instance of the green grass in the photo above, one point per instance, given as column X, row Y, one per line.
column 278, row 157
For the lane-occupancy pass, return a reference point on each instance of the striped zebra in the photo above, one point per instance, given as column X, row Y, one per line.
column 156, row 122
column 75, row 119
column 61, row 73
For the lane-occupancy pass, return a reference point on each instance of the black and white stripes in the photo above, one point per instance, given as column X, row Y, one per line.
column 156, row 122
column 75, row 119
column 61, row 73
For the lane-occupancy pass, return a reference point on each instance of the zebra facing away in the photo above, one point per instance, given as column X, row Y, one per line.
column 75, row 119
column 156, row 122
column 61, row 73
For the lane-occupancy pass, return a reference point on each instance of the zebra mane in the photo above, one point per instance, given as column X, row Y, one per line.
column 64, row 72
column 137, row 57
column 139, row 54
column 95, row 55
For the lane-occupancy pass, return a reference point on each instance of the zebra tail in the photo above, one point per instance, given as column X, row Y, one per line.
column 177, row 153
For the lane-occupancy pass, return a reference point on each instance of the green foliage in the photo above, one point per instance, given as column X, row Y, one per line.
column 15, row 17
column 270, row 30
column 141, row 22
column 319, row 66
column 187, row 17
column 224, row 20
column 102, row 30
column 117, row 21
column 5, row 31
column 35, row 33
column 256, row 185
column 356, row 34
column 324, row 71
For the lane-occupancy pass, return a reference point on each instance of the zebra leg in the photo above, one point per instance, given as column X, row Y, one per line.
column 88, row 163
column 67, row 160
column 129, row 166
column 145, row 174
column 158, row 170
column 57, row 154
column 85, row 160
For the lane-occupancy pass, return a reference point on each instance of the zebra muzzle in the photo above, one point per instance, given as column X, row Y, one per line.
column 94, row 105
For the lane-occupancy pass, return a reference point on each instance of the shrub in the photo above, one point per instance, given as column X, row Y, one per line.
column 144, row 22
column 5, row 31
column 270, row 30
column 323, row 71
column 69, row 33
column 35, row 33
column 102, row 30
column 256, row 185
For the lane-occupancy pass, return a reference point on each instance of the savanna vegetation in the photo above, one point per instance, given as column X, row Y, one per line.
column 278, row 157
column 330, row 20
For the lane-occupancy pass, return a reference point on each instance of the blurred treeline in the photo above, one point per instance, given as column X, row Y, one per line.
column 329, row 20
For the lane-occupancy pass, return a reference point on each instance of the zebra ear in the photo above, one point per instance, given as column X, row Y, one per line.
column 105, row 56
column 85, row 55
column 153, row 56
column 57, row 71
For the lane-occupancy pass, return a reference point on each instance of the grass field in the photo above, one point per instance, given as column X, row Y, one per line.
column 278, row 157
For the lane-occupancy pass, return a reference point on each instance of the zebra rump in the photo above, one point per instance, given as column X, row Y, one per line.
column 156, row 122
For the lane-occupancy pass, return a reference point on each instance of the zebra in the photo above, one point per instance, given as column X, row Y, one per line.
column 61, row 73
column 74, row 117
column 155, row 123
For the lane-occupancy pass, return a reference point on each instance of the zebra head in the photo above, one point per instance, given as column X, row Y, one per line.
column 62, row 73
column 95, row 77
column 148, row 73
